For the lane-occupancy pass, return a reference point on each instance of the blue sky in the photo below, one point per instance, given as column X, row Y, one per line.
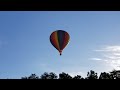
column 25, row 47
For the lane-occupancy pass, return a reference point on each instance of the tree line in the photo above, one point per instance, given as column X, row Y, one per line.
column 114, row 74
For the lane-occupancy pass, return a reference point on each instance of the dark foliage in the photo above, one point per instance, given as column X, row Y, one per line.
column 114, row 74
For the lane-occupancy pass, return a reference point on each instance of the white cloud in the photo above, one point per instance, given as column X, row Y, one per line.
column 96, row 59
column 109, row 49
column 110, row 56
column 116, row 54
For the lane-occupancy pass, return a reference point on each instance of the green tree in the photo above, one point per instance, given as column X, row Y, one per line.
column 115, row 74
column 78, row 77
column 32, row 76
column 105, row 75
column 91, row 75
column 24, row 77
column 48, row 76
column 64, row 76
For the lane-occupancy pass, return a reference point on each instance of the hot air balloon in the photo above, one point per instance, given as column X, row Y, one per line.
column 59, row 39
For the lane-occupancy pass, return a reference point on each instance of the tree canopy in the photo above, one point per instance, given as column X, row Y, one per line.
column 114, row 74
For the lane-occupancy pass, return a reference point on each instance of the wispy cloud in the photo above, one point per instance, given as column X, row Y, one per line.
column 110, row 56
column 109, row 49
column 96, row 59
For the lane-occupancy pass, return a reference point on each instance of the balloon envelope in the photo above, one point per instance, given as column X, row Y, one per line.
column 59, row 39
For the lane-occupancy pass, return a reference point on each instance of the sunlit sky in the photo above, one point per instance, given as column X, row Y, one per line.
column 25, row 47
